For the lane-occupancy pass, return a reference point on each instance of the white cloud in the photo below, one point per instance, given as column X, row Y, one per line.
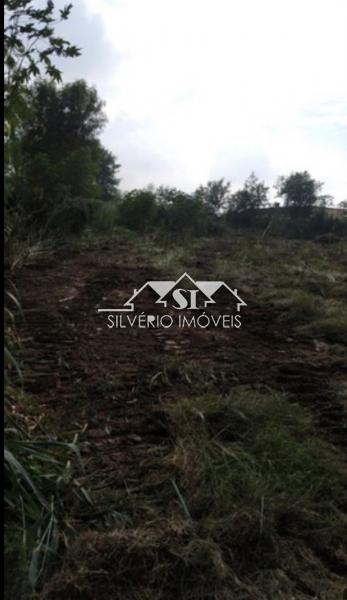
column 205, row 85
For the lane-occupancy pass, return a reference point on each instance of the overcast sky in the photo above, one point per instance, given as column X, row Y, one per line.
column 202, row 89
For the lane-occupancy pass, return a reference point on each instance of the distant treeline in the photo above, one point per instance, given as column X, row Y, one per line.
column 60, row 179
column 214, row 209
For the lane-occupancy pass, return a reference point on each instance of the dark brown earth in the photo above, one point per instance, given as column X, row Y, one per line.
column 107, row 384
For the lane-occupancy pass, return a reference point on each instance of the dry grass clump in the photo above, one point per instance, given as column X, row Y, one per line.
column 159, row 561
column 171, row 561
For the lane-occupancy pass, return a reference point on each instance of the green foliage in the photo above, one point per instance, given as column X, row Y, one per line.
column 245, row 504
column 52, row 155
column 106, row 173
column 138, row 210
column 305, row 223
column 40, row 485
column 70, row 217
column 61, row 160
column 301, row 191
column 169, row 210
column 179, row 212
column 253, row 195
column 255, row 454
column 175, row 212
column 12, row 307
column 245, row 204
column 30, row 45
column 62, row 118
column 39, row 472
column 105, row 218
column 331, row 328
column 215, row 195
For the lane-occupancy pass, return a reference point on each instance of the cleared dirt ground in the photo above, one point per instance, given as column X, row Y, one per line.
column 109, row 385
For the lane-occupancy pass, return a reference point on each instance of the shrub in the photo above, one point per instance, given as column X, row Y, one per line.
column 185, row 213
column 105, row 218
column 138, row 210
column 71, row 216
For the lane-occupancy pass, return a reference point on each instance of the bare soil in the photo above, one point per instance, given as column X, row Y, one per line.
column 108, row 384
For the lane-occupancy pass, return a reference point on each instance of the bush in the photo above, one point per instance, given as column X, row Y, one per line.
column 71, row 216
column 138, row 210
column 186, row 213
column 105, row 218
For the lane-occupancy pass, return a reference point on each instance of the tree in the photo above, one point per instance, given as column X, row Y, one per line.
column 169, row 195
column 62, row 118
column 300, row 191
column 179, row 211
column 106, row 176
column 215, row 195
column 30, row 44
column 251, row 197
column 61, row 157
column 257, row 190
column 138, row 209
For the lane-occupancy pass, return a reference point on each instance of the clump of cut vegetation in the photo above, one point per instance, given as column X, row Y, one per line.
column 254, row 508
column 252, row 445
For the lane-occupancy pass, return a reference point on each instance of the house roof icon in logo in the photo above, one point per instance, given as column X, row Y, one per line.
column 185, row 281
column 163, row 289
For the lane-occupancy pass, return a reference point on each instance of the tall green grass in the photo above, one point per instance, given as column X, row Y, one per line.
column 41, row 484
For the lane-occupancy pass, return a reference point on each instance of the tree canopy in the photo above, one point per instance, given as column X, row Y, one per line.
column 252, row 196
column 301, row 191
column 60, row 156
column 215, row 195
